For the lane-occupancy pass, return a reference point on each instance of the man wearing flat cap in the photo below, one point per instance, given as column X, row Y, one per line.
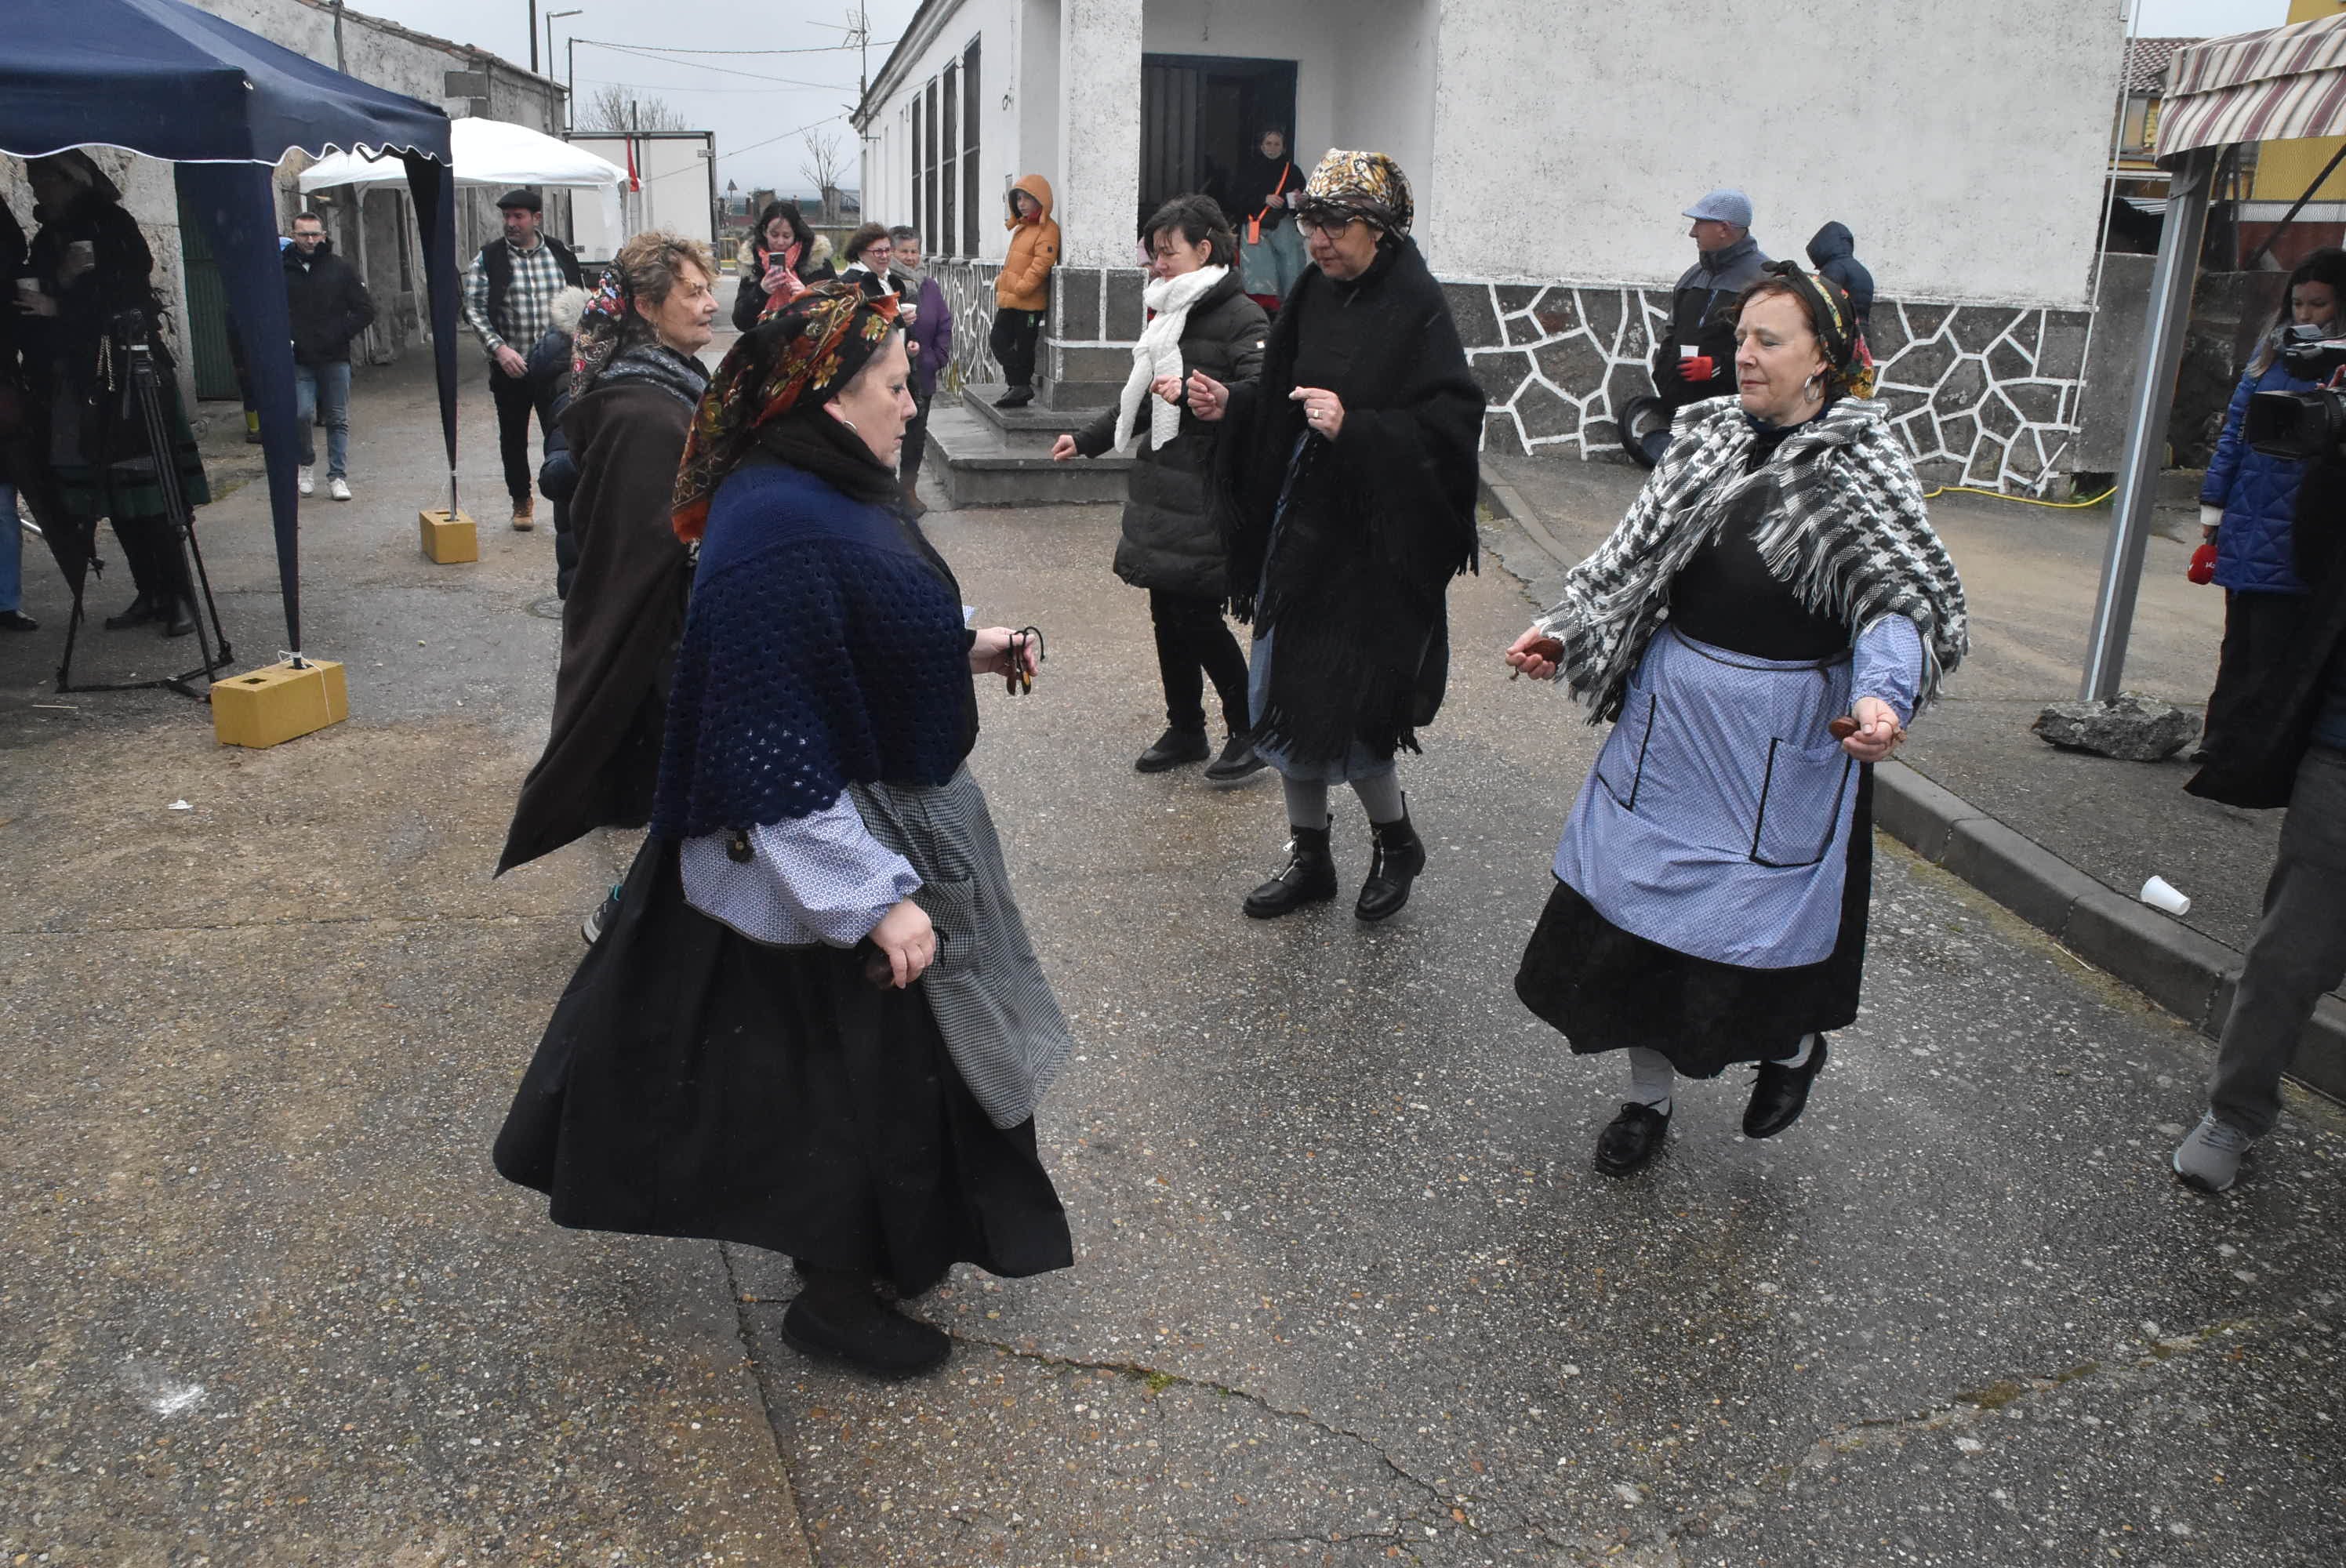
column 1697, row 359
column 508, row 294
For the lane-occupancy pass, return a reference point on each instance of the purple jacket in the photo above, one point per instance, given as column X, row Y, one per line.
column 934, row 332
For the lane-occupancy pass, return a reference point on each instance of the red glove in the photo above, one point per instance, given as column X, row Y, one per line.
column 1701, row 368
column 2203, row 564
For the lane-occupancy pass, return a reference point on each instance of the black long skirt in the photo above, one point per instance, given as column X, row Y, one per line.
column 1606, row 989
column 696, row 1084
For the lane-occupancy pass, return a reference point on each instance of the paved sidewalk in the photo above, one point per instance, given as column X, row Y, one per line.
column 2064, row 838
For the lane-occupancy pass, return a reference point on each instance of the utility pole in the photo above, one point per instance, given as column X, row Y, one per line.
column 569, row 109
column 532, row 37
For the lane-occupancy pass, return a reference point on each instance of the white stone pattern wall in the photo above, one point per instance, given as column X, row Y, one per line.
column 969, row 294
column 1985, row 395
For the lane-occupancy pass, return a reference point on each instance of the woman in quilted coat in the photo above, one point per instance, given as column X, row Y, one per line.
column 2248, row 498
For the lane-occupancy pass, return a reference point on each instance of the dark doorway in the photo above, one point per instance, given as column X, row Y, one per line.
column 1199, row 115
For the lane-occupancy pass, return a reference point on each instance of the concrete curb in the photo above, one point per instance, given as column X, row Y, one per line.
column 2190, row 975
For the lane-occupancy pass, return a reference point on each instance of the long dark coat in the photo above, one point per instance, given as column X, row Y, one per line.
column 2255, row 757
column 1354, row 576
column 619, row 623
column 1171, row 540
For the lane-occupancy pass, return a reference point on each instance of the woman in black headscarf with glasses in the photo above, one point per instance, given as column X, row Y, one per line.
column 1759, row 628
column 814, row 1023
column 1347, row 477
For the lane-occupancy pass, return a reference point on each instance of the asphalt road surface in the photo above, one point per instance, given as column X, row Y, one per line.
column 1347, row 1292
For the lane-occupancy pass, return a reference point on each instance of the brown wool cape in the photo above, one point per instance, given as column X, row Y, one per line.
column 619, row 625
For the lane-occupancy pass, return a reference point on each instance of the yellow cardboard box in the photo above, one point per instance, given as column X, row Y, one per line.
column 279, row 702
column 449, row 536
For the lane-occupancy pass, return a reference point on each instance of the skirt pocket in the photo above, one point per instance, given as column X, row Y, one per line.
column 1801, row 794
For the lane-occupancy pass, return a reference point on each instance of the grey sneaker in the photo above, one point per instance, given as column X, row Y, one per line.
column 2209, row 1158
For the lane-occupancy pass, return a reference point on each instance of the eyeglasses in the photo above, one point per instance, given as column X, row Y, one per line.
column 1325, row 222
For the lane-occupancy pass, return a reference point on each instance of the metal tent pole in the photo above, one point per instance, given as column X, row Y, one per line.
column 2146, row 415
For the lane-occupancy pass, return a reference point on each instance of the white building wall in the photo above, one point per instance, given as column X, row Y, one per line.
column 1963, row 143
column 889, row 196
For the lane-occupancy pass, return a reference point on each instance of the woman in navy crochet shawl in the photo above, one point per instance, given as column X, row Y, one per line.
column 815, row 1024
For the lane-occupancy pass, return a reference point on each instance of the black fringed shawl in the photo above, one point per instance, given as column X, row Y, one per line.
column 1376, row 522
column 824, row 648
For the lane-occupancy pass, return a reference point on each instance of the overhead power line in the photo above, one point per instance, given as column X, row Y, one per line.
column 722, row 70
column 666, row 49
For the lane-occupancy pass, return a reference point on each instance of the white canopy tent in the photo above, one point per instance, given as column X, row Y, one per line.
column 2275, row 84
column 487, row 152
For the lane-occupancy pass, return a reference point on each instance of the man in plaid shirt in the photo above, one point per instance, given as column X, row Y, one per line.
column 508, row 296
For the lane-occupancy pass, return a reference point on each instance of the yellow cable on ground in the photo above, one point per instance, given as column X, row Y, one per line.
column 2024, row 500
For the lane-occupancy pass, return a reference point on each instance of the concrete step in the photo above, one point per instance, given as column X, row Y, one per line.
column 1050, row 415
column 977, row 464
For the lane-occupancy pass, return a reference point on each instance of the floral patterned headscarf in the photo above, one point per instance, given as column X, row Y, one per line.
column 1829, row 306
column 601, row 325
column 1360, row 185
column 798, row 356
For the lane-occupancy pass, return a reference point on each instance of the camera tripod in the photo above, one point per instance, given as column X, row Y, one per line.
column 189, row 576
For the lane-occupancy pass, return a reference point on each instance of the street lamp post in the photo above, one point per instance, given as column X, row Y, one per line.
column 569, row 111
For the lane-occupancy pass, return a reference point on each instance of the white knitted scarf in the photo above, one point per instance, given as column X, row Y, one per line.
column 1158, row 353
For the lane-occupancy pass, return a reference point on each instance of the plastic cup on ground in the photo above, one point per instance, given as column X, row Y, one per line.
column 2161, row 894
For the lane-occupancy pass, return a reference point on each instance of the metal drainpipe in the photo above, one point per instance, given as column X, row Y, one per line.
column 2147, row 417
column 341, row 62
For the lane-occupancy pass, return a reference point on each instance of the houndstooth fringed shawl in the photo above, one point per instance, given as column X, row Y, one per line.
column 1847, row 530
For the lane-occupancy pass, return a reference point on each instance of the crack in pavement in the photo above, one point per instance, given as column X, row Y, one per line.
column 743, row 1331
column 1452, row 1508
column 1957, row 1415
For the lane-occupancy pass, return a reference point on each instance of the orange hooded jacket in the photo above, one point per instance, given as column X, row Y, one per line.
column 1024, row 283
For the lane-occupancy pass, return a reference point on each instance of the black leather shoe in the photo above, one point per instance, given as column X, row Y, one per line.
column 1239, row 760
column 179, row 620
column 1394, row 862
column 1308, row 878
column 1173, row 748
column 1631, row 1140
column 17, row 621
column 1779, row 1094
column 1016, row 397
column 882, row 1343
column 139, row 611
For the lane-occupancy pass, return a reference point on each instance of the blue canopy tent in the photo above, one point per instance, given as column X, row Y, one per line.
column 161, row 78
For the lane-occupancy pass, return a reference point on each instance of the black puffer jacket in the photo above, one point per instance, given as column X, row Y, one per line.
column 1833, row 253
column 328, row 303
column 1171, row 540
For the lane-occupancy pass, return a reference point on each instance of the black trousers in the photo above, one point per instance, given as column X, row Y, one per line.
column 1013, row 340
column 916, row 438
column 1193, row 643
column 2258, row 631
column 514, row 403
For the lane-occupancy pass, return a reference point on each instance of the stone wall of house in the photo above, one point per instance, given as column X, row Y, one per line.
column 1989, row 395
column 1984, row 394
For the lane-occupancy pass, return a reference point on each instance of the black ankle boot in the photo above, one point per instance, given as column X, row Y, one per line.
column 846, row 1322
column 1398, row 856
column 1308, row 878
column 1173, row 748
column 1239, row 760
column 179, row 619
column 141, row 610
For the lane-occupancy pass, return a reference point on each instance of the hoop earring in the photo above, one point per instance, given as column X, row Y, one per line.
column 1809, row 387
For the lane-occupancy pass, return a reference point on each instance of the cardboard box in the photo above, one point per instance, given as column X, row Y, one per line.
column 277, row 702
column 449, row 537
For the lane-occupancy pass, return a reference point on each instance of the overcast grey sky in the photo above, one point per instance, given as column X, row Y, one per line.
column 755, row 118
column 726, row 93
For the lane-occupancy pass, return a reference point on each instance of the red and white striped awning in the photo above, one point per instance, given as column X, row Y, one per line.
column 2271, row 86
